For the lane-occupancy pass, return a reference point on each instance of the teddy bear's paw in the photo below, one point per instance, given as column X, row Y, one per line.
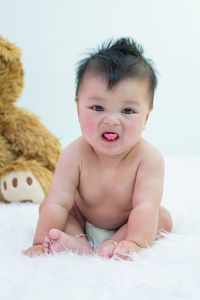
column 21, row 187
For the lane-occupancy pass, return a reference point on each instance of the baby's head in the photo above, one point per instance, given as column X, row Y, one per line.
column 116, row 61
column 114, row 96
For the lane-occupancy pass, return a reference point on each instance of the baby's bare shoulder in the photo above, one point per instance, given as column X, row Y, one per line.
column 150, row 155
column 70, row 157
column 75, row 153
column 74, row 149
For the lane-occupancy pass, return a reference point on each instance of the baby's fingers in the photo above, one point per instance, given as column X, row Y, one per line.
column 121, row 253
column 33, row 251
column 124, row 250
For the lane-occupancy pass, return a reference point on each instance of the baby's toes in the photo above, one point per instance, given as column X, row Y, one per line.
column 47, row 244
column 47, row 239
column 46, row 248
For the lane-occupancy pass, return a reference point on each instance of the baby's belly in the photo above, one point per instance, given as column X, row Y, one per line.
column 105, row 216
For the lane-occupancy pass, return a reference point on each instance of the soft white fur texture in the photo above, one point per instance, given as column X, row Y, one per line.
column 168, row 270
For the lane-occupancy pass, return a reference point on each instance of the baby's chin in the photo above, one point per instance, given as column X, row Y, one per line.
column 110, row 151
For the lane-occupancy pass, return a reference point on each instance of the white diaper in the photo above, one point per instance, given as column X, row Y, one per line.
column 98, row 234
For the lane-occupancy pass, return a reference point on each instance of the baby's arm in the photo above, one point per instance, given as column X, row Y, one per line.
column 55, row 208
column 147, row 195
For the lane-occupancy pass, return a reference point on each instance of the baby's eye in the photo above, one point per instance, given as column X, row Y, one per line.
column 97, row 107
column 127, row 111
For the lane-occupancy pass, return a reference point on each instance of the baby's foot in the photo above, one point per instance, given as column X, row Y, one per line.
column 58, row 241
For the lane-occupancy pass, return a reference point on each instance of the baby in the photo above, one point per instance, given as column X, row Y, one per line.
column 110, row 177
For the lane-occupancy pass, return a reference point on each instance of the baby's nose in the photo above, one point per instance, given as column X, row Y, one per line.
column 111, row 120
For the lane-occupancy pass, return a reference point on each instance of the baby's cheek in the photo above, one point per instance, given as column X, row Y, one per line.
column 133, row 133
column 88, row 126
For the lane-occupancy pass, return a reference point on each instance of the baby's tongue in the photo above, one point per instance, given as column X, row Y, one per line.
column 110, row 136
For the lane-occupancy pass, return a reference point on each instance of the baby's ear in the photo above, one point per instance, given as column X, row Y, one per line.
column 147, row 116
column 77, row 107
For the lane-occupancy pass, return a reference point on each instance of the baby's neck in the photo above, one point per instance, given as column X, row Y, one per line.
column 111, row 160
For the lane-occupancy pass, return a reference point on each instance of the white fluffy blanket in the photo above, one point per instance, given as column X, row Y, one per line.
column 168, row 270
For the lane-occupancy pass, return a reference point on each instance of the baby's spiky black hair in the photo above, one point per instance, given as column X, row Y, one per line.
column 118, row 60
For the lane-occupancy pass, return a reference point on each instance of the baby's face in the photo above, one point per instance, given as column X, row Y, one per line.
column 112, row 121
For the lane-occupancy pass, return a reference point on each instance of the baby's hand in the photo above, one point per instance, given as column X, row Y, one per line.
column 124, row 249
column 105, row 249
column 34, row 250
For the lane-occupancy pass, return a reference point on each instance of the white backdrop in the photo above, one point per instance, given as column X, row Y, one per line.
column 53, row 34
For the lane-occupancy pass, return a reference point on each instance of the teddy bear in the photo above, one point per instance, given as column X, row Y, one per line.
column 28, row 150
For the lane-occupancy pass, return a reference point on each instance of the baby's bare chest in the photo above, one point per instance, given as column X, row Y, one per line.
column 107, row 187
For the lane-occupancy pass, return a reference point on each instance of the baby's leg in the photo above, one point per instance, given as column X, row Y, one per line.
column 164, row 222
column 70, row 239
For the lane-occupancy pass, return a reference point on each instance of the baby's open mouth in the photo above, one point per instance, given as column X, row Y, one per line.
column 110, row 136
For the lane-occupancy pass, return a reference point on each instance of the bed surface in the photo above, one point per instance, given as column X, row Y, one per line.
column 168, row 270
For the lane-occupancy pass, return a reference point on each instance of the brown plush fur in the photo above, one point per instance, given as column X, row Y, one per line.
column 25, row 144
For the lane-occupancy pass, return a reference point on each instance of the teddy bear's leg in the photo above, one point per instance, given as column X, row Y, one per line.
column 21, row 186
column 25, row 181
